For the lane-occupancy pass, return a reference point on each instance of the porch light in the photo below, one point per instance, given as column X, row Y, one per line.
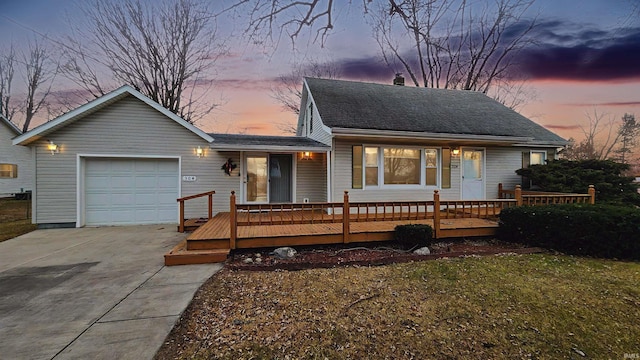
column 455, row 151
column 52, row 147
column 199, row 152
column 306, row 155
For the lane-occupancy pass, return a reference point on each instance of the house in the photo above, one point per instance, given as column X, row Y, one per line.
column 124, row 159
column 16, row 170
column 393, row 142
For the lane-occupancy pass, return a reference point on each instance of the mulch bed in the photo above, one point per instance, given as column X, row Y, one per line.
column 366, row 255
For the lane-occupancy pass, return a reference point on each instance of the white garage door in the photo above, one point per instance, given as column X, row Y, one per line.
column 131, row 191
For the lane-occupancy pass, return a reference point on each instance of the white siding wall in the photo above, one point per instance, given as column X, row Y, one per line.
column 502, row 163
column 342, row 181
column 319, row 132
column 126, row 127
column 15, row 154
column 311, row 179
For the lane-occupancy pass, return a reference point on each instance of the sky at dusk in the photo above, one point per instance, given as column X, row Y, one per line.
column 587, row 54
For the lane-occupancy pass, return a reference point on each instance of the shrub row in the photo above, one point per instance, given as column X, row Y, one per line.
column 414, row 234
column 607, row 231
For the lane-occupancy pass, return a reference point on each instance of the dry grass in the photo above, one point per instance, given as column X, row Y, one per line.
column 15, row 218
column 497, row 307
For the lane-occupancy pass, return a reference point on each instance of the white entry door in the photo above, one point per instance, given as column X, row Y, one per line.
column 472, row 174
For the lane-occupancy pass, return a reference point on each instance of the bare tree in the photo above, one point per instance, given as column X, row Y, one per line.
column 604, row 139
column 162, row 49
column 288, row 90
column 38, row 72
column 7, row 70
column 628, row 133
column 453, row 44
column 271, row 19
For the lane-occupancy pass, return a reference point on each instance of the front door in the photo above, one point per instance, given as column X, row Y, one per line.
column 472, row 174
column 256, row 179
column 268, row 178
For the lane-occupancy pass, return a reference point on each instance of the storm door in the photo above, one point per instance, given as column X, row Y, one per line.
column 472, row 174
column 280, row 178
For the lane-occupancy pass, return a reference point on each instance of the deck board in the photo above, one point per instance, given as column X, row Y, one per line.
column 216, row 232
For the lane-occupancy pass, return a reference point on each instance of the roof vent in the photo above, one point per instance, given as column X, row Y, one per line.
column 399, row 80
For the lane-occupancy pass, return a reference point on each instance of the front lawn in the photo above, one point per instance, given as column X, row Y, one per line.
column 495, row 307
column 15, row 218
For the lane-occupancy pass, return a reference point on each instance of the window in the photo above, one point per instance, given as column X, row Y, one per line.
column 532, row 158
column 401, row 166
column 356, row 169
column 371, row 166
column 396, row 166
column 538, row 158
column 8, row 171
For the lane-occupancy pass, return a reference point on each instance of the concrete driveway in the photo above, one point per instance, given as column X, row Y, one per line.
column 92, row 293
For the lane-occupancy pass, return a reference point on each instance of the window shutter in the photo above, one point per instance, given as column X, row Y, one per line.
column 356, row 167
column 526, row 160
column 446, row 168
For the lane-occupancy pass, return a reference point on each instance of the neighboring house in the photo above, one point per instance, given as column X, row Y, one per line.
column 123, row 159
column 16, row 169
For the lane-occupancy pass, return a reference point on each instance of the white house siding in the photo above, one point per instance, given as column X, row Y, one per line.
column 19, row 155
column 311, row 179
column 129, row 128
column 319, row 132
column 342, row 180
column 502, row 163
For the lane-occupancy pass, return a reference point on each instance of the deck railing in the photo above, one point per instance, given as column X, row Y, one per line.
column 335, row 212
column 182, row 200
column 533, row 198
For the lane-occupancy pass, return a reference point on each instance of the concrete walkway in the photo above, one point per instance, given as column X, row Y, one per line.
column 92, row 293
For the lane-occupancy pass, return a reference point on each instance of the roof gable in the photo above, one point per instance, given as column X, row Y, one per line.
column 10, row 125
column 97, row 104
column 357, row 105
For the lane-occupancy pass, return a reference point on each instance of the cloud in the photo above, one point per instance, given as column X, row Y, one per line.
column 366, row 68
column 568, row 52
column 614, row 103
column 562, row 127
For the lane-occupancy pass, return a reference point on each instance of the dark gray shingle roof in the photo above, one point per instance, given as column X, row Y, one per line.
column 237, row 140
column 357, row 105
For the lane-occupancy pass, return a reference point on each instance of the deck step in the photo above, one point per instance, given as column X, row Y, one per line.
column 179, row 255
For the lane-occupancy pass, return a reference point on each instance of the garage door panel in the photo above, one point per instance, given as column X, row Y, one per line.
column 167, row 182
column 131, row 191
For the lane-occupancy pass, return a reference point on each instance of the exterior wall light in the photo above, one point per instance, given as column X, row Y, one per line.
column 306, row 155
column 53, row 148
column 199, row 152
column 455, row 151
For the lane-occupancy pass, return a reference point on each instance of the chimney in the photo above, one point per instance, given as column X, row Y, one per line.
column 399, row 80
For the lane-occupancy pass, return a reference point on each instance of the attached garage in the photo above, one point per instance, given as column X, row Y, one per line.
column 127, row 191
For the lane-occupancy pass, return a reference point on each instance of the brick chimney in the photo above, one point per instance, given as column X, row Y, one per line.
column 399, row 80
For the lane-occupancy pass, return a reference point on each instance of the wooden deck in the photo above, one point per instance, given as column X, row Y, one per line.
column 294, row 224
column 215, row 234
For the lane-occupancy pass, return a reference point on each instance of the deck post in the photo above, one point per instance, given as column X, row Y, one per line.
column 211, row 206
column 346, row 211
column 436, row 214
column 592, row 194
column 233, row 223
column 499, row 190
column 518, row 195
column 181, row 226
